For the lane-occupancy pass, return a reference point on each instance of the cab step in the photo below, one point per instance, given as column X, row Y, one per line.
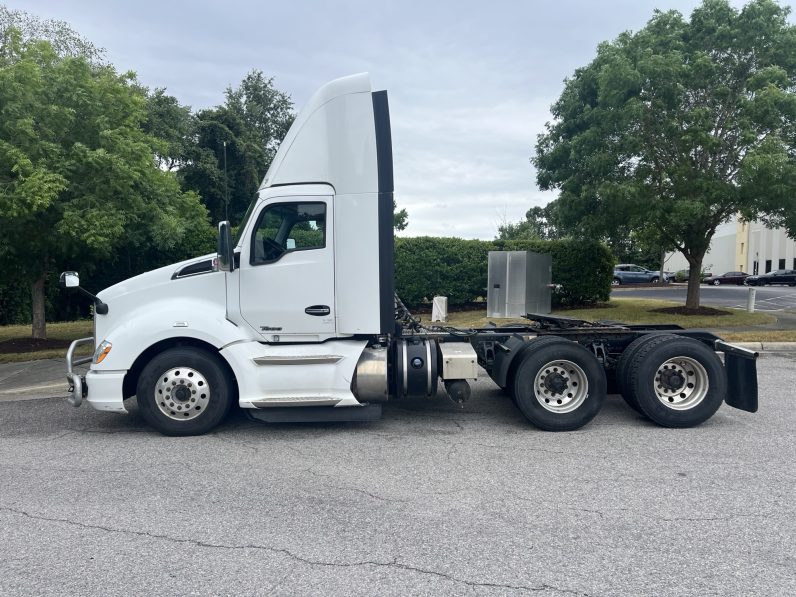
column 315, row 414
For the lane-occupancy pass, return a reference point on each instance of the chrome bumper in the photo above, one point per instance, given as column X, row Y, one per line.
column 77, row 382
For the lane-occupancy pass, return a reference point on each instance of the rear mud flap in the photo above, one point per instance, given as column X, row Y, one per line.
column 741, row 368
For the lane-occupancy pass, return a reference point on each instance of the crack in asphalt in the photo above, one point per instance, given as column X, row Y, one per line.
column 394, row 563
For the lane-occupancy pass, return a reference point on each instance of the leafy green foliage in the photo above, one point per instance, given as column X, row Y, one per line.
column 172, row 124
column 204, row 173
column 240, row 138
column 672, row 130
column 266, row 112
column 62, row 38
column 539, row 224
column 400, row 217
column 78, row 182
column 428, row 266
column 583, row 268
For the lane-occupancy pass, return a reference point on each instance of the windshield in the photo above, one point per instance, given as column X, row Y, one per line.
column 242, row 226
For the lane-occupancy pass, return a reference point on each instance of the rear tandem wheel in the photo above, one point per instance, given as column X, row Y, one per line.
column 559, row 385
column 676, row 381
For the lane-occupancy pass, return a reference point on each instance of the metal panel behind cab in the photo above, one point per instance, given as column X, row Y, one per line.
column 497, row 281
column 518, row 283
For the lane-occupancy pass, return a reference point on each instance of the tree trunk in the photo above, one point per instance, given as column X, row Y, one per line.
column 37, row 306
column 663, row 264
column 694, row 281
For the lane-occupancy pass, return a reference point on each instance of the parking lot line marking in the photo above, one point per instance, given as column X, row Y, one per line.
column 33, row 388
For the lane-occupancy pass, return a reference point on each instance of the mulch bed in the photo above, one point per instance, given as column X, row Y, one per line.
column 31, row 345
column 710, row 311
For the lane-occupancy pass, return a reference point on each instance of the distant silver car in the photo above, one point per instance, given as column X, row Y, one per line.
column 628, row 273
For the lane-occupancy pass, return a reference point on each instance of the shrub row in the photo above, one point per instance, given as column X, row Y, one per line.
column 424, row 267
column 428, row 266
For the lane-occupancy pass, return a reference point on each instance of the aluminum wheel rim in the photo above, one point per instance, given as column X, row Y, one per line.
column 694, row 388
column 182, row 393
column 561, row 386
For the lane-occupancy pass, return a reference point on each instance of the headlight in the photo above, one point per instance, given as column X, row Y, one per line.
column 102, row 351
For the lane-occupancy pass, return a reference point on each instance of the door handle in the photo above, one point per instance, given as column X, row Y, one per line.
column 318, row 310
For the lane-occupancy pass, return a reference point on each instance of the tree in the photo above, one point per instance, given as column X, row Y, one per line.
column 172, row 124
column 539, row 224
column 252, row 123
column 205, row 172
column 266, row 112
column 63, row 39
column 400, row 218
column 78, row 178
column 678, row 127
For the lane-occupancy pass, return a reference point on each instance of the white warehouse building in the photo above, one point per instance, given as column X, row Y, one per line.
column 750, row 247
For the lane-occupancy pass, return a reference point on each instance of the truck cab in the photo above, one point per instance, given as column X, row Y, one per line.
column 311, row 266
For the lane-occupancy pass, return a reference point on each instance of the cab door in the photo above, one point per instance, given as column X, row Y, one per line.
column 286, row 290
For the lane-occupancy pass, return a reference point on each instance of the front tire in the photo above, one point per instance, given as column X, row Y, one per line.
column 716, row 282
column 559, row 385
column 616, row 282
column 184, row 391
column 677, row 382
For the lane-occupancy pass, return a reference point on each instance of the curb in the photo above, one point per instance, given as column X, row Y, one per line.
column 767, row 346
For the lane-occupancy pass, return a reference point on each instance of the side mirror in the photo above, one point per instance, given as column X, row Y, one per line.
column 69, row 280
column 225, row 250
column 72, row 280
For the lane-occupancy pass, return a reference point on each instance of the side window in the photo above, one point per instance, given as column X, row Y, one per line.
column 286, row 227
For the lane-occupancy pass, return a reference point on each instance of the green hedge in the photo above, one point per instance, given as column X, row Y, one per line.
column 424, row 267
column 428, row 266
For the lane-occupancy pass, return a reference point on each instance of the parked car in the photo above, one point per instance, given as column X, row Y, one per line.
column 627, row 273
column 727, row 278
column 780, row 276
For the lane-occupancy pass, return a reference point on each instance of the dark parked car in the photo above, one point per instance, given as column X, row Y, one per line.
column 627, row 273
column 728, row 278
column 780, row 276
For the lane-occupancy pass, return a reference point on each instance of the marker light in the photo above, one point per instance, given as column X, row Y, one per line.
column 102, row 351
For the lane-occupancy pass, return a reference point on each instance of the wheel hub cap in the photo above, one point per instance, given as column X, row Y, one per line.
column 561, row 386
column 556, row 382
column 681, row 383
column 182, row 393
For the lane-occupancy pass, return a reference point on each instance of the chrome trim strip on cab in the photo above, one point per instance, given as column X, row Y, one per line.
column 296, row 401
column 324, row 359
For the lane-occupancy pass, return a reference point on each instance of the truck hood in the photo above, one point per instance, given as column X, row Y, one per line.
column 175, row 289
column 148, row 281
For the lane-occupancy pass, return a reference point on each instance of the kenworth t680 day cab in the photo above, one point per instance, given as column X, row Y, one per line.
column 297, row 319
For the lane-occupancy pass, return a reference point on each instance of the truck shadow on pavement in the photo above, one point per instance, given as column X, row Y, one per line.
column 490, row 411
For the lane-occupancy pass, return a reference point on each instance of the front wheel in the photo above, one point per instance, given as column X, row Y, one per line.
column 616, row 282
column 655, row 280
column 184, row 391
column 559, row 385
column 716, row 282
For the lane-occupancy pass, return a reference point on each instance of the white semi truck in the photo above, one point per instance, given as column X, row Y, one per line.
column 297, row 319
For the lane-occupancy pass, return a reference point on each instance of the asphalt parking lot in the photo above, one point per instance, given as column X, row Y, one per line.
column 432, row 499
column 767, row 298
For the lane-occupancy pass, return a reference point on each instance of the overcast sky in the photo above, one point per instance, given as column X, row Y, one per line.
column 470, row 83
